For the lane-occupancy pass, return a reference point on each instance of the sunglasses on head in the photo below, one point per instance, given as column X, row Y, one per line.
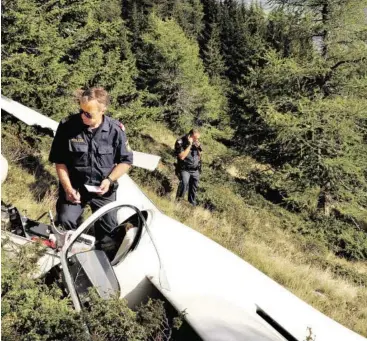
column 85, row 113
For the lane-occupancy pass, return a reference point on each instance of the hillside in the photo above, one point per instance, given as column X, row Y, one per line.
column 279, row 94
column 262, row 234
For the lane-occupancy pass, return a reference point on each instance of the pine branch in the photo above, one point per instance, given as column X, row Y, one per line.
column 355, row 223
column 327, row 77
column 346, row 61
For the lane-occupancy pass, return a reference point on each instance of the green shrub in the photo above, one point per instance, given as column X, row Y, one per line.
column 33, row 311
column 112, row 320
column 30, row 310
column 340, row 237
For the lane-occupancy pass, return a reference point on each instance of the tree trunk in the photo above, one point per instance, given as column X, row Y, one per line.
column 324, row 15
column 327, row 204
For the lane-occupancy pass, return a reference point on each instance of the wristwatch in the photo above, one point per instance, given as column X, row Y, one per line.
column 110, row 180
column 113, row 184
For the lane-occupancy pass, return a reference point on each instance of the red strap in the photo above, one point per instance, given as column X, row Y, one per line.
column 48, row 243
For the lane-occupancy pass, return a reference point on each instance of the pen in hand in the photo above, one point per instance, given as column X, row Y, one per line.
column 73, row 196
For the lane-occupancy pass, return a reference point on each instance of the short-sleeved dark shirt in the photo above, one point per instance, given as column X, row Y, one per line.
column 90, row 155
column 192, row 160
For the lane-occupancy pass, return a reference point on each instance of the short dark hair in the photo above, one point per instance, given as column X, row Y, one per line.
column 194, row 131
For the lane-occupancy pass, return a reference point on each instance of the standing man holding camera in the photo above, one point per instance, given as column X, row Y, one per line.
column 89, row 148
column 188, row 151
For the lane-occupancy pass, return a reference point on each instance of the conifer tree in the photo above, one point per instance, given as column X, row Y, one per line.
column 189, row 15
column 210, row 42
column 243, row 40
column 242, row 36
column 289, row 33
column 175, row 74
column 232, row 47
column 100, row 53
column 32, row 55
column 135, row 14
column 315, row 112
column 51, row 49
column 213, row 60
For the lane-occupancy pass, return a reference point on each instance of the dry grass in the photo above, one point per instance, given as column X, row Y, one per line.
column 31, row 183
column 280, row 255
column 241, row 166
column 19, row 190
column 161, row 134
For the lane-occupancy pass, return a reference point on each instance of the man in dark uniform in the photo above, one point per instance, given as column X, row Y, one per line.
column 89, row 148
column 188, row 150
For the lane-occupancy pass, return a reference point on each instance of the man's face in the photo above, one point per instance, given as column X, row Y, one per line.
column 92, row 112
column 196, row 137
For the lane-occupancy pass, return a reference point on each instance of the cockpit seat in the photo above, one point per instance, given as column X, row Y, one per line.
column 126, row 243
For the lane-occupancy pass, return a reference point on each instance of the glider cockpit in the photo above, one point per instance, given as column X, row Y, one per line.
column 89, row 263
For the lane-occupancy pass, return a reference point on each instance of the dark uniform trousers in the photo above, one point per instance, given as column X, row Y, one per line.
column 69, row 214
column 189, row 182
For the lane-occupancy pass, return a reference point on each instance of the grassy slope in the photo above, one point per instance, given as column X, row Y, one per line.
column 332, row 285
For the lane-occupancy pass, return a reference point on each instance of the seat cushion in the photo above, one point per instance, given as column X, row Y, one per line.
column 126, row 244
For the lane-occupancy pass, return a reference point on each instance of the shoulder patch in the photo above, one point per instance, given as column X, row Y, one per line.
column 118, row 123
column 179, row 141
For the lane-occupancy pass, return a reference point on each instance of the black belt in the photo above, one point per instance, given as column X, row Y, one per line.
column 189, row 169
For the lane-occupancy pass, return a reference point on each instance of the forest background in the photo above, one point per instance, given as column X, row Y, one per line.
column 280, row 95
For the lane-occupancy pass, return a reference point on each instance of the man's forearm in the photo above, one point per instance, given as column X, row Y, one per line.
column 119, row 171
column 63, row 174
column 186, row 152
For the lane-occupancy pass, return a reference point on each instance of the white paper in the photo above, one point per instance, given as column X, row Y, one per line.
column 147, row 161
column 93, row 189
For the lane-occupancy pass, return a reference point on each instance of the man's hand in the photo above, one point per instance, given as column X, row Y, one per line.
column 191, row 140
column 104, row 186
column 197, row 143
column 73, row 196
